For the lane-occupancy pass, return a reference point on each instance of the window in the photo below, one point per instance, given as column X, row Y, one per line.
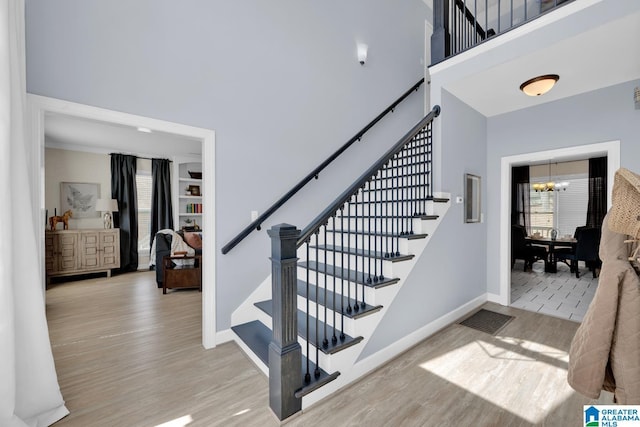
column 143, row 184
column 563, row 210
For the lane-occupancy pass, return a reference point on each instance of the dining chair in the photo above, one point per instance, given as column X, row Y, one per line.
column 521, row 249
column 586, row 250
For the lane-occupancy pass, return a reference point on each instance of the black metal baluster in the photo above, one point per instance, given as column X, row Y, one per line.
column 421, row 172
column 378, row 235
column 334, row 339
column 316, row 372
column 405, row 208
column 355, row 258
column 400, row 194
column 349, row 257
column 342, row 271
column 464, row 26
column 414, row 196
column 511, row 13
column 384, row 214
column 396, row 187
column 375, row 228
column 369, row 278
column 307, row 375
column 429, row 162
column 414, row 164
column 486, row 18
column 325, row 341
column 392, row 192
column 475, row 21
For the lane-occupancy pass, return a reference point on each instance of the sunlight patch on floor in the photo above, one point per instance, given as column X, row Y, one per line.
column 178, row 422
column 536, row 374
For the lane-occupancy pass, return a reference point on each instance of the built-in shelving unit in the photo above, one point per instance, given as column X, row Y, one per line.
column 188, row 191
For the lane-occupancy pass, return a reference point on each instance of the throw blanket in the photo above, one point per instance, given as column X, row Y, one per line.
column 177, row 245
column 605, row 351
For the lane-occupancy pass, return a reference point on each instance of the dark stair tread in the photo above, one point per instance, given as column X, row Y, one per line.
column 313, row 289
column 424, row 217
column 370, row 233
column 363, row 253
column 257, row 336
column 410, row 200
column 408, row 164
column 331, row 348
column 350, row 275
column 399, row 187
column 399, row 176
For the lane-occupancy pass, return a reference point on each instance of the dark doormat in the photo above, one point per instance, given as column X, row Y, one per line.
column 487, row 321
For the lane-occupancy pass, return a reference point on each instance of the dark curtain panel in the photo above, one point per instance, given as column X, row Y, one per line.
column 597, row 207
column 123, row 189
column 520, row 205
column 161, row 209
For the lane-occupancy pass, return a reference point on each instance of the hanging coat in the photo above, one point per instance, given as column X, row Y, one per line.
column 605, row 351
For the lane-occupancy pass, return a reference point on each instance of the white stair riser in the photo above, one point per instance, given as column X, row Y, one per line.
column 349, row 323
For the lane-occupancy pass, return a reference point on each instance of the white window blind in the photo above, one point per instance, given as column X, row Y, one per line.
column 143, row 188
column 563, row 210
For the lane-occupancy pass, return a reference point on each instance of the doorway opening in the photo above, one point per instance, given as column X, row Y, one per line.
column 40, row 107
column 609, row 149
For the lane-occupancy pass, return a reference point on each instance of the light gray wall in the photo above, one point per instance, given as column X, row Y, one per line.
column 278, row 81
column 452, row 269
column 603, row 115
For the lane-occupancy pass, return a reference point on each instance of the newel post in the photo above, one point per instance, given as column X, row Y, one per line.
column 285, row 354
column 440, row 39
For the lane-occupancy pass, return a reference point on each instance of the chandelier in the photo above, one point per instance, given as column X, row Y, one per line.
column 550, row 185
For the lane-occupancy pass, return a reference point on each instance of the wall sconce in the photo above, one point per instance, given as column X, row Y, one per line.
column 636, row 97
column 539, row 85
column 362, row 53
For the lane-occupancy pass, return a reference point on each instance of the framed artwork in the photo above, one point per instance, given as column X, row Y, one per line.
column 471, row 198
column 80, row 198
column 194, row 190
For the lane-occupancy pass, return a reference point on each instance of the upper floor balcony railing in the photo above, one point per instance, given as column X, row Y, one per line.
column 459, row 25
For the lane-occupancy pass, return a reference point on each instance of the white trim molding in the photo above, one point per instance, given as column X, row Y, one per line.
column 610, row 148
column 40, row 105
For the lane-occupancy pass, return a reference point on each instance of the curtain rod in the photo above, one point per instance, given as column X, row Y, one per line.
column 142, row 157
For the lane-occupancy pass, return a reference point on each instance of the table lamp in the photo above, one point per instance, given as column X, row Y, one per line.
column 107, row 206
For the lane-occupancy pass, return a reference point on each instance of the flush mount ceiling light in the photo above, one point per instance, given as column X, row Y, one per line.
column 145, row 130
column 539, row 85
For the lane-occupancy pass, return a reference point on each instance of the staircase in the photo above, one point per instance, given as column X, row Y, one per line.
column 333, row 281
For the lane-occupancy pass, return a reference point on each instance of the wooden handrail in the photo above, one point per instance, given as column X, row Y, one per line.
column 255, row 225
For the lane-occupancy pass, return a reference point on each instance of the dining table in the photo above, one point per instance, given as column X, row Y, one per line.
column 551, row 263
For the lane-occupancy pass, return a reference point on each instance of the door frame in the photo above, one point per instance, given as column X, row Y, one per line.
column 611, row 149
column 38, row 106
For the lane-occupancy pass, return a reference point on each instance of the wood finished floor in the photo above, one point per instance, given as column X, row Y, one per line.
column 128, row 356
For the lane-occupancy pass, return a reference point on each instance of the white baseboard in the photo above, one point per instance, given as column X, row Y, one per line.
column 497, row 298
column 408, row 341
column 225, row 336
column 376, row 360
